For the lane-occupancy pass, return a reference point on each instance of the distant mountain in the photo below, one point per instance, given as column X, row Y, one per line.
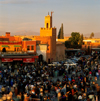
column 26, row 33
column 96, row 35
column 2, row 33
column 67, row 35
column 21, row 32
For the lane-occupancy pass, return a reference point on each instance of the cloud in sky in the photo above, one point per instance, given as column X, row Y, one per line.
column 20, row 1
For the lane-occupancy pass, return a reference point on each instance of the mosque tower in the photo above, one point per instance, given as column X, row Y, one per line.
column 49, row 31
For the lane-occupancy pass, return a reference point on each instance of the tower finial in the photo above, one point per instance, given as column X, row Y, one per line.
column 51, row 12
column 48, row 13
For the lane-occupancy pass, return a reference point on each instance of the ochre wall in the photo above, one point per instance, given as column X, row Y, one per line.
column 45, row 31
column 48, row 19
column 11, row 46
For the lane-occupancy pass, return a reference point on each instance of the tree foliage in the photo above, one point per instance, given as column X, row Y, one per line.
column 68, row 44
column 61, row 34
column 81, row 40
column 92, row 35
column 75, row 41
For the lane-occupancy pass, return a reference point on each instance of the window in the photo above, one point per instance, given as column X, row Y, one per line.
column 28, row 47
column 15, row 49
column 47, row 25
column 48, row 47
column 8, row 47
column 32, row 47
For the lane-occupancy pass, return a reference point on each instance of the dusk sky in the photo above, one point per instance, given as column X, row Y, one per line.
column 28, row 15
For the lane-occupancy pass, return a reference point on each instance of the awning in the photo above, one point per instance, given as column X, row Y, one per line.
column 7, row 60
column 35, row 57
column 28, row 60
column 4, row 45
column 16, row 45
column 17, row 59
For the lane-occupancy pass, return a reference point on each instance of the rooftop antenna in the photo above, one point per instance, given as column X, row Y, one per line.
column 51, row 12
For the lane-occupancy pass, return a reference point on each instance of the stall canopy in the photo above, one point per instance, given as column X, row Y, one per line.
column 17, row 59
column 36, row 57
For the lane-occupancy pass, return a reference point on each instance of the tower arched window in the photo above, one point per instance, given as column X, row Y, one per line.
column 47, row 25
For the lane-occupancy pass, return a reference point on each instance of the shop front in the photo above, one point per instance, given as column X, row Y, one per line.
column 6, row 61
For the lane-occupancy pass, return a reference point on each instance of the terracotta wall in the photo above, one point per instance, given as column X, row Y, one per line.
column 11, row 38
column 60, row 51
column 51, row 45
column 45, row 40
column 28, row 43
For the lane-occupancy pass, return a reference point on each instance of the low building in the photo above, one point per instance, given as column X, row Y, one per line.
column 41, row 49
column 14, row 50
column 90, row 44
column 60, row 51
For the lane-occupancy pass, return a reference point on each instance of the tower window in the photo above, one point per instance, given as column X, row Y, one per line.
column 47, row 25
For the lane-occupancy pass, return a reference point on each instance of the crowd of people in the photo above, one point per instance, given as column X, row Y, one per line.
column 51, row 83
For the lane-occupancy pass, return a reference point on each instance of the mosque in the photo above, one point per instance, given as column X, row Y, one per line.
column 15, row 48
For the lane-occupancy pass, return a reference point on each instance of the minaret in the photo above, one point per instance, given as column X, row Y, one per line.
column 50, row 33
column 48, row 21
column 48, row 30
